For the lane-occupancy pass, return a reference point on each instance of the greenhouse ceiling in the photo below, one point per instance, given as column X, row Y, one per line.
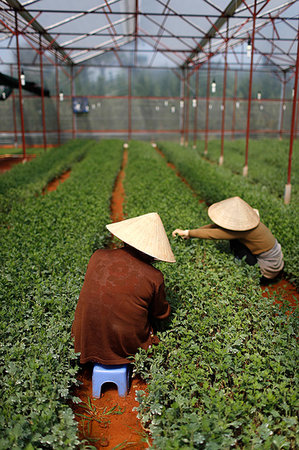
column 153, row 33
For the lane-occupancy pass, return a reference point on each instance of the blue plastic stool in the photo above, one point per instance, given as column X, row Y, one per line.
column 118, row 375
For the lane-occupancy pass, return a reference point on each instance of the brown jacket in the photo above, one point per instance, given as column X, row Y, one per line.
column 120, row 295
column 258, row 240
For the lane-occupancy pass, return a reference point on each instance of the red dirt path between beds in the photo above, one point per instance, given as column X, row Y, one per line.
column 53, row 185
column 8, row 161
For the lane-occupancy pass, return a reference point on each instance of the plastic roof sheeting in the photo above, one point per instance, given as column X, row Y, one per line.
column 152, row 33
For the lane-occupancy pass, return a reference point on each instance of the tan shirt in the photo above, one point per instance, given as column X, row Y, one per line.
column 258, row 240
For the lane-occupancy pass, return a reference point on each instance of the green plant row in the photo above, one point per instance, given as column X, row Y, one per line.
column 19, row 151
column 267, row 161
column 224, row 373
column 44, row 255
column 213, row 183
column 25, row 180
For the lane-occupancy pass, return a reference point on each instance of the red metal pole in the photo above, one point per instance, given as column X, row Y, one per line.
column 57, row 99
column 14, row 112
column 224, row 99
column 287, row 192
column 186, row 102
column 234, row 105
column 182, row 108
column 129, row 103
column 72, row 98
column 208, row 101
column 282, row 100
column 20, row 87
column 196, row 108
column 296, row 127
column 42, row 91
column 245, row 168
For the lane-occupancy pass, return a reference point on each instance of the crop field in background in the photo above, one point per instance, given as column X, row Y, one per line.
column 267, row 160
column 225, row 372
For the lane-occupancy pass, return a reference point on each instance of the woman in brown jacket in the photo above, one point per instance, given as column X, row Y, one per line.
column 238, row 222
column 123, row 293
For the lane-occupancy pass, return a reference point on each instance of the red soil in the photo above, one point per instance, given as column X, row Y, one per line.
column 7, row 161
column 118, row 195
column 284, row 289
column 121, row 427
column 172, row 166
column 53, row 185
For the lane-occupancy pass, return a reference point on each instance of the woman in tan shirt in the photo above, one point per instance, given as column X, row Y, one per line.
column 238, row 222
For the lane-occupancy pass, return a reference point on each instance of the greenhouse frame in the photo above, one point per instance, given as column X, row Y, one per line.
column 222, row 41
column 115, row 109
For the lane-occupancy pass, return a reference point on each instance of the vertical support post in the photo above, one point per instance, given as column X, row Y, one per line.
column 245, row 168
column 57, row 100
column 297, row 119
column 234, row 105
column 182, row 109
column 129, row 103
column 72, row 98
column 196, row 108
column 20, row 87
column 282, row 100
column 14, row 112
column 208, row 101
column 42, row 92
column 224, row 97
column 287, row 192
column 187, row 104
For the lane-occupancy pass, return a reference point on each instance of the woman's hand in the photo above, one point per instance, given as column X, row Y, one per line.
column 183, row 233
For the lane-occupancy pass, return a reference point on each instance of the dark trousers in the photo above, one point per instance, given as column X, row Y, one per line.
column 240, row 250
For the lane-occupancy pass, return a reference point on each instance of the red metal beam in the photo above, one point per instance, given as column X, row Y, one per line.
column 234, row 105
column 129, row 104
column 20, row 87
column 160, row 32
column 175, row 36
column 187, row 109
column 6, row 26
column 113, row 33
column 196, row 108
column 57, row 101
column 136, row 31
column 171, row 59
column 245, row 168
column 42, row 96
column 14, row 112
column 30, row 22
column 287, row 196
column 283, row 91
column 182, row 110
column 79, row 14
column 207, row 102
column 224, row 95
column 72, row 97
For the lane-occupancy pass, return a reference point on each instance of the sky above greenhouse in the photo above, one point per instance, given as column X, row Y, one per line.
column 154, row 33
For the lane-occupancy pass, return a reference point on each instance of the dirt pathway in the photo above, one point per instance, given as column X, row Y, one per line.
column 53, row 185
column 8, row 161
column 282, row 288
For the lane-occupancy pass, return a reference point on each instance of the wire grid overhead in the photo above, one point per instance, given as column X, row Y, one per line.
column 154, row 33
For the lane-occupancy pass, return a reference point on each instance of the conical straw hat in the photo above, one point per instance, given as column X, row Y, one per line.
column 146, row 233
column 234, row 214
